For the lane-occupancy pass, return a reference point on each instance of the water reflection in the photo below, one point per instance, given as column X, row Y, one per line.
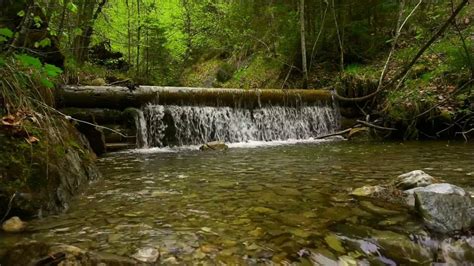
column 286, row 203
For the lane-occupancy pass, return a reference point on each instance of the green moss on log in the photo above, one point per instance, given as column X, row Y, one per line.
column 121, row 98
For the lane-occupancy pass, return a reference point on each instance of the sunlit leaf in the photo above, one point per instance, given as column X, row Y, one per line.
column 47, row 83
column 72, row 7
column 38, row 21
column 44, row 43
column 6, row 32
column 21, row 13
column 52, row 70
column 77, row 31
column 29, row 61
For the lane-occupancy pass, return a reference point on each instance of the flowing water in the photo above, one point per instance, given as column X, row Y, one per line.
column 285, row 203
column 192, row 125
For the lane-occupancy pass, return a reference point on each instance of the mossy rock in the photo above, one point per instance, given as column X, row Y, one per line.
column 45, row 175
column 225, row 72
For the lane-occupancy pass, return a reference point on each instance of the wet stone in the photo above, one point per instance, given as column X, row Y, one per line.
column 147, row 255
column 445, row 208
column 414, row 179
column 263, row 210
column 14, row 225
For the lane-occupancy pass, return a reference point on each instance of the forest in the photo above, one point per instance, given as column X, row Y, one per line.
column 236, row 131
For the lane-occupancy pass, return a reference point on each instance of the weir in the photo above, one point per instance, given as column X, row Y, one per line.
column 174, row 116
column 114, row 97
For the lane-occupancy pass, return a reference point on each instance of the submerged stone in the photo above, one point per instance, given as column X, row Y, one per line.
column 368, row 191
column 214, row 146
column 334, row 243
column 147, row 255
column 400, row 248
column 367, row 205
column 414, row 179
column 14, row 225
column 457, row 252
column 445, row 208
column 263, row 210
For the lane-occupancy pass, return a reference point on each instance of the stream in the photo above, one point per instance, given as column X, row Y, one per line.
column 285, row 203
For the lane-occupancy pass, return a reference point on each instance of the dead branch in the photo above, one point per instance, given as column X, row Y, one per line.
column 375, row 126
column 464, row 45
column 431, row 41
column 356, row 125
column 464, row 133
column 445, row 100
column 339, row 133
column 323, row 22
column 415, row 59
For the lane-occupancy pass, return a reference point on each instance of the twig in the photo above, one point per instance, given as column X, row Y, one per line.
column 119, row 81
column 451, row 126
column 400, row 26
column 287, row 77
column 9, row 207
column 415, row 59
column 375, row 126
column 445, row 100
column 464, row 45
column 335, row 134
column 464, row 133
column 431, row 40
column 323, row 21
column 81, row 121
column 339, row 37
column 345, row 131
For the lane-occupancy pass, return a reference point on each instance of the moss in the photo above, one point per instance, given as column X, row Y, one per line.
column 35, row 169
column 261, row 72
column 201, row 74
column 362, row 71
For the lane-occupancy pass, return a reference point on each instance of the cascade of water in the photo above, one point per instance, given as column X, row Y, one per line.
column 142, row 130
column 192, row 125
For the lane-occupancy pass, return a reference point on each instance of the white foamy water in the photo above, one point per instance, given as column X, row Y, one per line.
column 188, row 127
column 238, row 145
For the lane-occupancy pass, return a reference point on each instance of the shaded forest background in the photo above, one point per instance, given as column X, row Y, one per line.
column 353, row 46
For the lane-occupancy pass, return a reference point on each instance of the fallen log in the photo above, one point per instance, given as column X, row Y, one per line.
column 120, row 98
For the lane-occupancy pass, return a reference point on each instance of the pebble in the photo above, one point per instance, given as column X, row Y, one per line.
column 14, row 225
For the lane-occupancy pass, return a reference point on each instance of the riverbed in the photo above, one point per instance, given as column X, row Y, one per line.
column 285, row 203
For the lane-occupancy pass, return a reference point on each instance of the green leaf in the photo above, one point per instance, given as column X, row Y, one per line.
column 38, row 21
column 2, row 62
column 52, row 70
column 44, row 43
column 72, row 7
column 6, row 32
column 77, row 31
column 47, row 83
column 3, row 39
column 21, row 13
column 29, row 61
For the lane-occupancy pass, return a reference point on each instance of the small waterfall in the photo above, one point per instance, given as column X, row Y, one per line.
column 171, row 125
column 142, row 130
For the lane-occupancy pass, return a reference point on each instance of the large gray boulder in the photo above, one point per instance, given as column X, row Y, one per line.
column 445, row 208
column 414, row 179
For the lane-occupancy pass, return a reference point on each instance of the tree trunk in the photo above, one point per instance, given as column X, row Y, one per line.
column 138, row 39
column 303, row 46
column 120, row 98
column 129, row 35
column 83, row 41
